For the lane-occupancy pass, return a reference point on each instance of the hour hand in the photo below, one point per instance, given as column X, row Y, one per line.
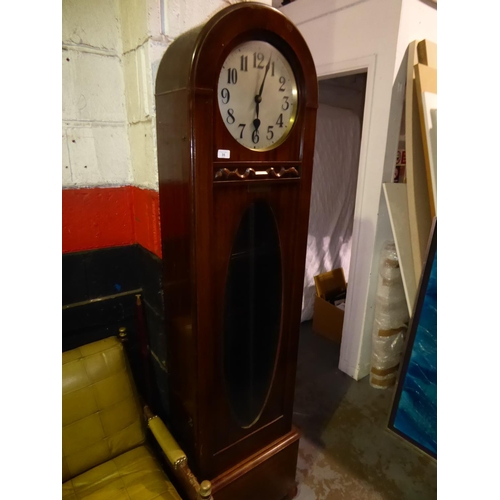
column 258, row 100
column 256, row 122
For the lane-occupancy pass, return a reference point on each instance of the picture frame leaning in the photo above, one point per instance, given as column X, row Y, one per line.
column 414, row 410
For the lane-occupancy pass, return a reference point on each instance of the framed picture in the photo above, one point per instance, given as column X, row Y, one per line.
column 414, row 410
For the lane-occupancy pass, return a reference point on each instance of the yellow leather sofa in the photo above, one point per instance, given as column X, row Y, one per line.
column 105, row 454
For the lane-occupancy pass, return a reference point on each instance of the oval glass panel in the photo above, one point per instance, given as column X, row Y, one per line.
column 252, row 315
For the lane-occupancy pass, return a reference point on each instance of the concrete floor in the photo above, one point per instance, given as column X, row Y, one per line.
column 346, row 451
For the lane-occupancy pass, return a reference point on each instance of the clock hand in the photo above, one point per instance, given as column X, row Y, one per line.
column 263, row 80
column 258, row 97
column 256, row 122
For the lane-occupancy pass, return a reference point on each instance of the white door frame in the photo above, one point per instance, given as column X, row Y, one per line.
column 356, row 299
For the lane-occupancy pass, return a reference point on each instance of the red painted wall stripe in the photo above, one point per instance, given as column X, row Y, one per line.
column 146, row 214
column 105, row 217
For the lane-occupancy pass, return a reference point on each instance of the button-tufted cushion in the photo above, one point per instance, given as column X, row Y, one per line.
column 134, row 475
column 101, row 412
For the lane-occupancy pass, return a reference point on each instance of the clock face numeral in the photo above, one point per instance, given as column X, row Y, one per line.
column 258, row 60
column 270, row 133
column 225, row 95
column 232, row 76
column 250, row 90
column 244, row 63
column 282, row 81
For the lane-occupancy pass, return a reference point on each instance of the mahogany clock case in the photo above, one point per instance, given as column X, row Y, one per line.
column 234, row 246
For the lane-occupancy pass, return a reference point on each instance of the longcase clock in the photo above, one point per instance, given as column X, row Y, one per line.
column 236, row 102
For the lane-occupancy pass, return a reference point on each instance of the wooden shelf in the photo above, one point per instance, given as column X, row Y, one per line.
column 396, row 197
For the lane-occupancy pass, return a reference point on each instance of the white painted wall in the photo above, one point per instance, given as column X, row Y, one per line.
column 94, row 120
column 114, row 49
column 346, row 36
column 136, row 18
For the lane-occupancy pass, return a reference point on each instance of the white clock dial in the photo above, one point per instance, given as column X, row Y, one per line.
column 257, row 95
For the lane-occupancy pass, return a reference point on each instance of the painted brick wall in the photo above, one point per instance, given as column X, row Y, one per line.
column 111, row 52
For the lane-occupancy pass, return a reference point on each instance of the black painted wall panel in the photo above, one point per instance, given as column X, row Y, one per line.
column 74, row 280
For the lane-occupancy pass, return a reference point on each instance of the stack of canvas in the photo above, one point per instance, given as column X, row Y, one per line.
column 413, row 205
column 421, row 129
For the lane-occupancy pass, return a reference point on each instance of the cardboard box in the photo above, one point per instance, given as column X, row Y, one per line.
column 328, row 319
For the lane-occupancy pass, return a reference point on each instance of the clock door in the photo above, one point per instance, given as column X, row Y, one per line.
column 251, row 322
column 253, row 250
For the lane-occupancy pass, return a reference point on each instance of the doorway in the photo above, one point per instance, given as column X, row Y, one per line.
column 335, row 177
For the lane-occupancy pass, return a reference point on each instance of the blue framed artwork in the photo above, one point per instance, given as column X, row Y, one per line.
column 414, row 411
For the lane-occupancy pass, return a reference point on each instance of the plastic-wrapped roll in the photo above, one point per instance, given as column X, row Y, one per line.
column 391, row 316
column 391, row 320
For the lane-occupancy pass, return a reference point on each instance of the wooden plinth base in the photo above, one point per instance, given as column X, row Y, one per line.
column 267, row 475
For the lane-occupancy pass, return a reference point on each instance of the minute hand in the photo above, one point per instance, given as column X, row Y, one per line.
column 265, row 74
column 258, row 97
